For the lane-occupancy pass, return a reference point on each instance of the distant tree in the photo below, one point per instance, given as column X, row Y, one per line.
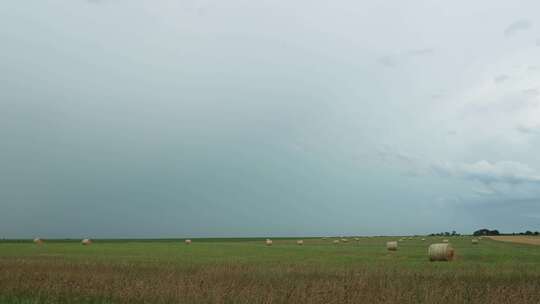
column 536, row 233
column 528, row 232
column 481, row 232
column 486, row 232
column 454, row 232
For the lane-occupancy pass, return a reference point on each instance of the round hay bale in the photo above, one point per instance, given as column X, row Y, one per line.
column 445, row 241
column 86, row 242
column 324, row 238
column 480, row 237
column 357, row 239
column 300, row 242
column 336, row 242
column 474, row 241
column 344, row 240
column 268, row 242
column 187, row 242
column 441, row 252
column 391, row 246
column 423, row 239
column 38, row 241
column 401, row 240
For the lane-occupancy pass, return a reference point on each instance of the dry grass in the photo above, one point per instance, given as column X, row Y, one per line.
column 531, row 240
column 57, row 281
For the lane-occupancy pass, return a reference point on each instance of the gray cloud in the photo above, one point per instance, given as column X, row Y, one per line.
column 205, row 126
column 505, row 172
column 501, row 78
column 420, row 52
column 484, row 191
column 513, row 103
column 528, row 129
column 532, row 92
column 392, row 61
column 388, row 153
column 517, row 26
column 388, row 61
column 410, row 165
column 438, row 95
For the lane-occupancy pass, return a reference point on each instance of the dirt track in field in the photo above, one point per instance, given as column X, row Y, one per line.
column 532, row 240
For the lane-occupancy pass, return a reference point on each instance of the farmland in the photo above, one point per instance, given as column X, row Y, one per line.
column 533, row 240
column 247, row 271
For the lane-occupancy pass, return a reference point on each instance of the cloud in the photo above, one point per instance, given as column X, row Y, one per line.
column 505, row 172
column 483, row 191
column 438, row 95
column 409, row 164
column 392, row 61
column 517, row 26
column 532, row 215
column 538, row 42
column 446, row 200
column 388, row 61
column 420, row 52
column 98, row 2
column 528, row 129
column 501, row 78
column 531, row 92
column 390, row 154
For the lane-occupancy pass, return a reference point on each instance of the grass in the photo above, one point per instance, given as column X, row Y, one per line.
column 247, row 271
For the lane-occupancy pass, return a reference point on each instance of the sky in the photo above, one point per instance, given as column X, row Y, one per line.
column 206, row 118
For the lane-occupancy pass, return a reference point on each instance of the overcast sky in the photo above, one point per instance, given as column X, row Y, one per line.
column 192, row 118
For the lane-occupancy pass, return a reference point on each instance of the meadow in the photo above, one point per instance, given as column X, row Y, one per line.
column 247, row 271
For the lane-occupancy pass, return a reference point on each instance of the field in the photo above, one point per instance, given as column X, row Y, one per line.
column 247, row 271
column 522, row 239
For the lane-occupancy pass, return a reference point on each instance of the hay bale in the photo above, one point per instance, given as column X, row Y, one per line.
column 344, row 240
column 423, row 239
column 392, row 246
column 38, row 241
column 324, row 238
column 441, row 252
column 300, row 242
column 474, row 241
column 187, row 242
column 268, row 242
column 445, row 241
column 86, row 242
column 336, row 242
column 357, row 239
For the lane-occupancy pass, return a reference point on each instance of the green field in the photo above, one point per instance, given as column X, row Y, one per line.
column 247, row 271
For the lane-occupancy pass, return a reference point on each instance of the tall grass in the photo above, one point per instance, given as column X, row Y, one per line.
column 61, row 282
